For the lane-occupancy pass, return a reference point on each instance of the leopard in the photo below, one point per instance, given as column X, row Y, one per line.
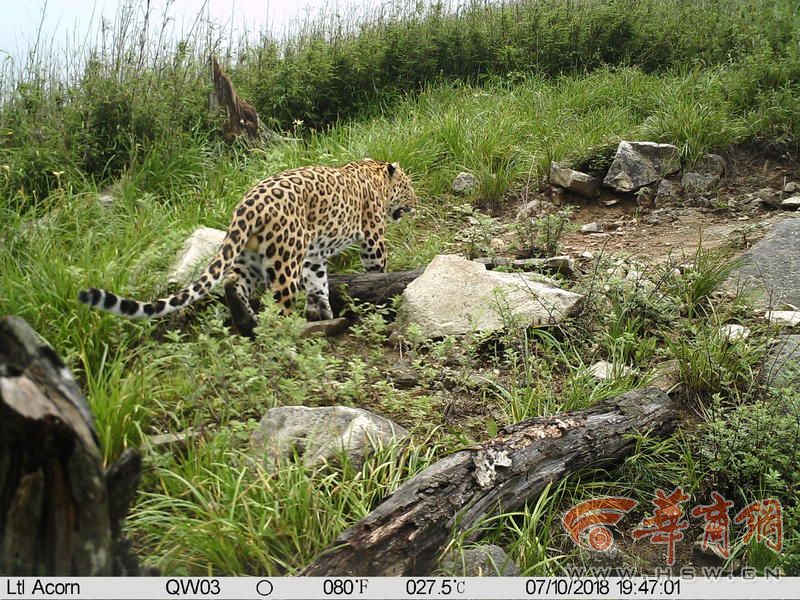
column 281, row 236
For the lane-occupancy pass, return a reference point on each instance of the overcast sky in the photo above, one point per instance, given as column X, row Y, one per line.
column 74, row 18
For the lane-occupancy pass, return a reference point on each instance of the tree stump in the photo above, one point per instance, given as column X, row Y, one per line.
column 61, row 511
column 405, row 534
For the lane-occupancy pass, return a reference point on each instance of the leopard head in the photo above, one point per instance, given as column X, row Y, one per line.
column 402, row 198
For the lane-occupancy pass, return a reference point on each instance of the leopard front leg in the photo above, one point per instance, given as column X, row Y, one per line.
column 315, row 281
column 373, row 254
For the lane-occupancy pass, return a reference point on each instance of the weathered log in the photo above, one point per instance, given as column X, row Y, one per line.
column 372, row 288
column 404, row 535
column 61, row 512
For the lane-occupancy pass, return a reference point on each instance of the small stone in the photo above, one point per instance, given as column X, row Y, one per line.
column 697, row 182
column 609, row 203
column 712, row 164
column 791, row 187
column 592, row 228
column 666, row 376
column 564, row 265
column 784, row 318
column 557, row 196
column 768, row 197
column 106, row 200
column 606, row 370
column 465, row 183
column 498, row 244
column 574, row 181
column 792, row 203
column 586, row 255
column 666, row 188
column 659, row 217
column 536, row 208
column 404, row 376
column 733, row 332
column 480, row 561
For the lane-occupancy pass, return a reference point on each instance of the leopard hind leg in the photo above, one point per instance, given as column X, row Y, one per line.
column 239, row 287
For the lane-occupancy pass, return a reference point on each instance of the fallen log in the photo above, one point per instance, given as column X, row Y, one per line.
column 61, row 511
column 372, row 288
column 405, row 534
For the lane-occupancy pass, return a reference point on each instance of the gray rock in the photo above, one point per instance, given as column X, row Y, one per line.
column 403, row 375
column 769, row 197
column 606, row 370
column 197, row 250
column 734, row 332
column 792, row 203
column 712, row 164
column 455, row 296
column 574, row 181
column 666, row 376
column 319, row 435
column 106, row 200
column 782, row 365
column 564, row 265
column 536, row 208
column 695, row 182
column 591, row 228
column 465, row 183
column 479, row 561
column 769, row 271
column 659, row 217
column 791, row 187
column 666, row 189
column 784, row 318
column 637, row 164
column 612, row 557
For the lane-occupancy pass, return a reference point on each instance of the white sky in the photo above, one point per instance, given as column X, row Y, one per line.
column 20, row 19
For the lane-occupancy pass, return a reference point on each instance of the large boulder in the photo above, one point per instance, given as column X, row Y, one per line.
column 574, row 181
column 195, row 253
column 455, row 296
column 769, row 271
column 637, row 164
column 320, row 435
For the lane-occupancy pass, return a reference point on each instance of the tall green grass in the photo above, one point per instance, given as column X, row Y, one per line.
column 132, row 102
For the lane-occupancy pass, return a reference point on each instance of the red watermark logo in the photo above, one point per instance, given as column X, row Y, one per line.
column 588, row 523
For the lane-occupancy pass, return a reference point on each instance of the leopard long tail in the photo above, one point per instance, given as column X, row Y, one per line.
column 232, row 246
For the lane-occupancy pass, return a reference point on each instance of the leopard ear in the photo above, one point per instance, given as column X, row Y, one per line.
column 391, row 168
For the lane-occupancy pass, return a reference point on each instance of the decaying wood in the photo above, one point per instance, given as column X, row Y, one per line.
column 372, row 288
column 61, row 512
column 242, row 116
column 404, row 535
